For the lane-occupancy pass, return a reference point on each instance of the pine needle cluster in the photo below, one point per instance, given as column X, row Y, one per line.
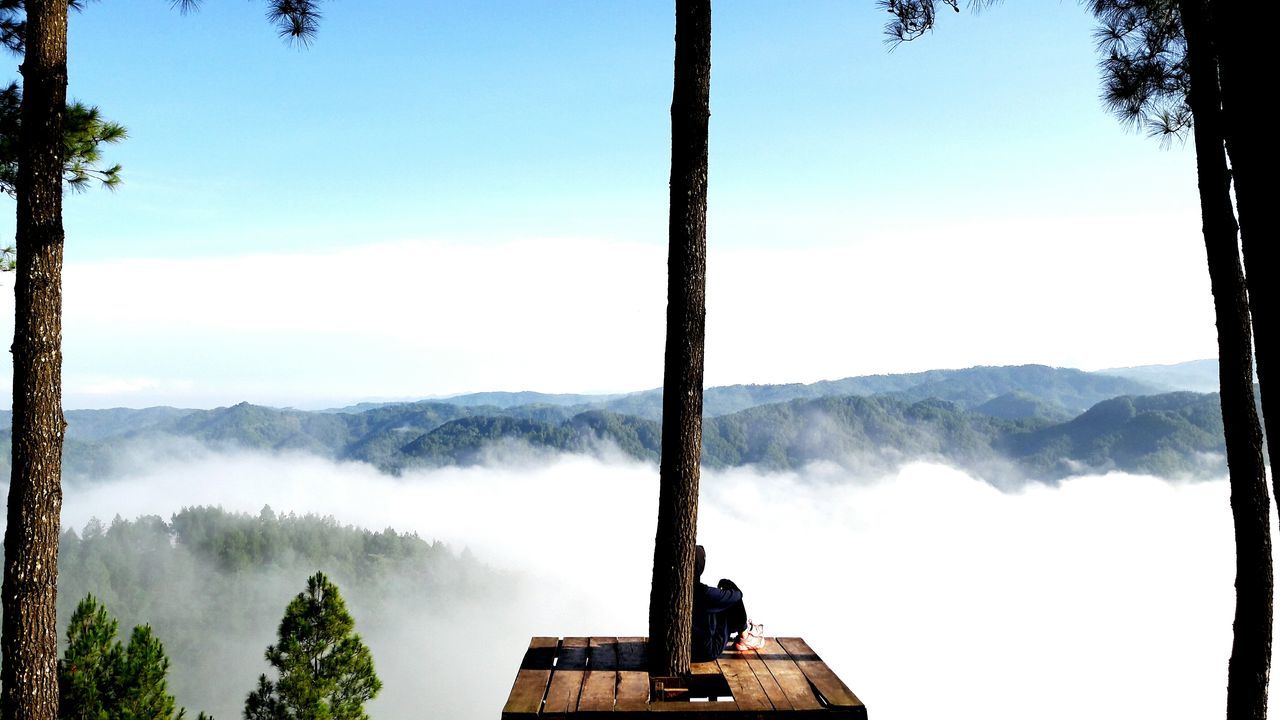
column 1145, row 78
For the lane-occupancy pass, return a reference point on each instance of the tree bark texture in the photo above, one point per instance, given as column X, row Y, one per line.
column 30, row 641
column 1244, row 49
column 1250, row 504
column 671, row 597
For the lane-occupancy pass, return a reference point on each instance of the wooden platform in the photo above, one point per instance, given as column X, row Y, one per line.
column 598, row 676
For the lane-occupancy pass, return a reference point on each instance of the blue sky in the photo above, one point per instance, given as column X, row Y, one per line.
column 445, row 196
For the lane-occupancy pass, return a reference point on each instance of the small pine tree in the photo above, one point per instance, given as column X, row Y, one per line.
column 143, row 668
column 99, row 677
column 89, row 664
column 324, row 671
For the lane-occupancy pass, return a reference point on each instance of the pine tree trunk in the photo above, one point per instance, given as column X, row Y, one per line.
column 1244, row 46
column 1250, row 505
column 671, row 598
column 30, row 641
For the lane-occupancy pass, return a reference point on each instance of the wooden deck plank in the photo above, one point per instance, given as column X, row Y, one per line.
column 530, row 686
column 602, row 676
column 788, row 675
column 827, row 682
column 566, row 678
column 632, row 653
column 776, row 696
column 747, row 692
column 633, row 678
column 633, row 691
column 704, row 668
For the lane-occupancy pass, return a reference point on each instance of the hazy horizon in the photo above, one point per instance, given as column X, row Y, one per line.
column 338, row 403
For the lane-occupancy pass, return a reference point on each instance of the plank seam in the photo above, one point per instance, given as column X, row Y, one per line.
column 555, row 660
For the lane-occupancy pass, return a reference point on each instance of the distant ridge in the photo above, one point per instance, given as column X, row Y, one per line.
column 1006, row 423
column 526, row 397
column 1196, row 375
column 499, row 399
column 1072, row 390
column 1069, row 389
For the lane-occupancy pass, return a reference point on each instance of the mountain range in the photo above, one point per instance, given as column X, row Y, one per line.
column 1009, row 423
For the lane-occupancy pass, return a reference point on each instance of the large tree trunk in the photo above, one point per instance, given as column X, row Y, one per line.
column 30, row 640
column 1250, row 505
column 1243, row 42
column 671, row 598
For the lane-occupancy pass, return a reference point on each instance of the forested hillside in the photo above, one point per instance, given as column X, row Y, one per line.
column 1161, row 434
column 213, row 584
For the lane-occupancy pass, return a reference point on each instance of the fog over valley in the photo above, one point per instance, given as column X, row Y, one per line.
column 1034, row 541
column 930, row 591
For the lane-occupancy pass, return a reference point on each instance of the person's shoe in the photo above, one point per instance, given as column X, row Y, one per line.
column 750, row 639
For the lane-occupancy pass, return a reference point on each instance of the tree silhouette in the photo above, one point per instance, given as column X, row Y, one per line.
column 1241, row 43
column 1250, row 505
column 671, row 595
column 1161, row 72
column 29, row 643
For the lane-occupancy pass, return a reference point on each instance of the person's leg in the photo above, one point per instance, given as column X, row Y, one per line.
column 720, row 631
column 736, row 617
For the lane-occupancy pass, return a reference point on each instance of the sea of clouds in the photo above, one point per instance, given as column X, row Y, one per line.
column 930, row 592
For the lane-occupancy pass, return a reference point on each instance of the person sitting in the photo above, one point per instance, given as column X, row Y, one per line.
column 718, row 613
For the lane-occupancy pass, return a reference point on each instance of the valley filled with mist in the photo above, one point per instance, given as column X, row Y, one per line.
column 991, row 542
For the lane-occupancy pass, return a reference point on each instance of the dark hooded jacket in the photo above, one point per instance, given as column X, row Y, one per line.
column 710, row 626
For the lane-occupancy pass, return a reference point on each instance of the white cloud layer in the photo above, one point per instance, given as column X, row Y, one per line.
column 931, row 593
column 421, row 318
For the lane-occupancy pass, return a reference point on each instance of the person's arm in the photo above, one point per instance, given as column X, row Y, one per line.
column 718, row 599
